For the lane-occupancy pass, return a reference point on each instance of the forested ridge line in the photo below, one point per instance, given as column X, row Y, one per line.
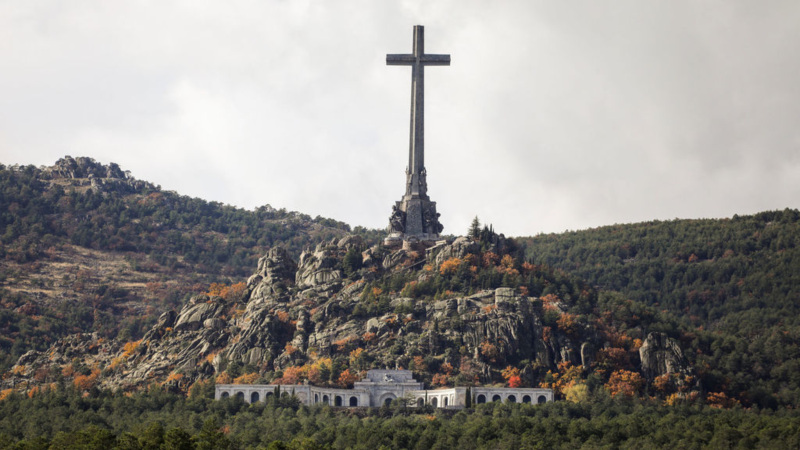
column 65, row 418
column 734, row 285
column 39, row 208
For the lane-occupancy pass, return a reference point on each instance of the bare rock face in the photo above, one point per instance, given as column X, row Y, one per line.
column 394, row 259
column 460, row 248
column 350, row 241
column 274, row 277
column 660, row 355
column 200, row 309
column 322, row 267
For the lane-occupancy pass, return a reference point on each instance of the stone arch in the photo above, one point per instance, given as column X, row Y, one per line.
column 386, row 399
column 434, row 402
column 512, row 399
column 353, row 401
column 496, row 398
column 420, row 403
column 337, row 401
column 480, row 398
column 240, row 395
column 254, row 397
column 526, row 399
column 325, row 399
column 541, row 399
column 444, row 401
column 225, row 394
column 316, row 398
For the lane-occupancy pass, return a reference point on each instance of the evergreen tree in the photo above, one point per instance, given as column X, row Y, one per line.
column 351, row 262
column 475, row 229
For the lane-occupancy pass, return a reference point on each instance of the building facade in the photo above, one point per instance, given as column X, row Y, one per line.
column 381, row 387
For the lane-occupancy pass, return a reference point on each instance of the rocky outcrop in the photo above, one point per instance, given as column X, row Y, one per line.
column 660, row 355
column 293, row 313
column 200, row 309
column 322, row 268
column 100, row 177
column 274, row 277
column 460, row 248
column 82, row 167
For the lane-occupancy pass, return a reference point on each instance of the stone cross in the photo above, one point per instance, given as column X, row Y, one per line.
column 416, row 185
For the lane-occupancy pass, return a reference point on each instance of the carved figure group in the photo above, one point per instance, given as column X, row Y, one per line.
column 397, row 221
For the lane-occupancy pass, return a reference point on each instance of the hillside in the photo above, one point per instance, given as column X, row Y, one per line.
column 85, row 247
column 733, row 283
column 115, row 283
column 463, row 313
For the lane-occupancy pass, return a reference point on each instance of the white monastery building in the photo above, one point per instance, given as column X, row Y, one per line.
column 383, row 386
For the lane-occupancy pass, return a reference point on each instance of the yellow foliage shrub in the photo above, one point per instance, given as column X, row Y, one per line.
column 248, row 378
column 576, row 392
column 5, row 393
column 129, row 348
column 224, row 378
column 174, row 377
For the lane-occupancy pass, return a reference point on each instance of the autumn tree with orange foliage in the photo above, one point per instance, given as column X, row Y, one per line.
column 568, row 375
column 230, row 293
column 490, row 259
column 719, row 400
column 418, row 364
column 5, row 393
column 508, row 265
column 447, row 368
column 248, row 378
column 489, row 351
column 613, row 358
column 293, row 375
column 347, row 378
column 624, row 382
column 320, row 370
column 440, row 379
column 224, row 378
column 568, row 323
column 358, row 358
column 176, row 377
column 665, row 384
column 509, row 371
column 86, row 382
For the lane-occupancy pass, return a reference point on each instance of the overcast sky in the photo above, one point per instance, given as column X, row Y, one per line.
column 552, row 116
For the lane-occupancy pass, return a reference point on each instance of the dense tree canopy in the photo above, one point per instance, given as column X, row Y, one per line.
column 64, row 418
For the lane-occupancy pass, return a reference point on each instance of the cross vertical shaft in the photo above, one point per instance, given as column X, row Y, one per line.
column 414, row 218
column 416, row 152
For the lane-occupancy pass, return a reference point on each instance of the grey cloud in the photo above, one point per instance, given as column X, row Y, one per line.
column 552, row 116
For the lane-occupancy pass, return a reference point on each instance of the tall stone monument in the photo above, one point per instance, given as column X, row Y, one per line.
column 414, row 219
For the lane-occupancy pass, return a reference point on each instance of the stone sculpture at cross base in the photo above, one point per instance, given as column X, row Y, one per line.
column 414, row 220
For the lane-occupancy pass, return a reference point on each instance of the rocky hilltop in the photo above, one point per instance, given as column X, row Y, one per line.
column 446, row 312
column 97, row 176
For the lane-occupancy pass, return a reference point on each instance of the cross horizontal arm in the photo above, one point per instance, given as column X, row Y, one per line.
column 407, row 60
column 400, row 60
column 436, row 60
